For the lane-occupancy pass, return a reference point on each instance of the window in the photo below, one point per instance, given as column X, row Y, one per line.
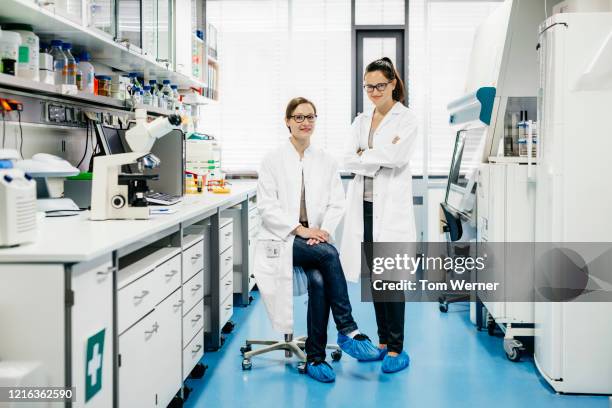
column 440, row 44
column 271, row 51
column 379, row 12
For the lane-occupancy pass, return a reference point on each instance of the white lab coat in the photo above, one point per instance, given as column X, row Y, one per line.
column 388, row 163
column 278, row 202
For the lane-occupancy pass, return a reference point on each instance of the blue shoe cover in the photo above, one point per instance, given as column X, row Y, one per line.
column 359, row 347
column 382, row 352
column 394, row 364
column 320, row 371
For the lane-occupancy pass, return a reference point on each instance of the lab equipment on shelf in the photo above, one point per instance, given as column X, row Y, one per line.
column 147, row 97
column 9, row 52
column 167, row 96
column 45, row 70
column 104, row 85
column 17, row 202
column 87, row 71
column 59, row 62
column 71, row 65
column 203, row 154
column 28, row 50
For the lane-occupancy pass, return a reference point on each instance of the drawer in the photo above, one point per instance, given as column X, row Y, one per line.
column 226, row 237
column 226, row 286
column 193, row 292
column 169, row 274
column 138, row 299
column 226, row 309
column 193, row 261
column 253, row 218
column 193, row 322
column 193, row 353
column 226, row 262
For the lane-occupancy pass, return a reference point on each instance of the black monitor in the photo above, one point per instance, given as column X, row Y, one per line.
column 109, row 139
column 113, row 140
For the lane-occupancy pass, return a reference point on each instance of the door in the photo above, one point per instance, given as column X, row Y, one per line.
column 372, row 45
column 92, row 333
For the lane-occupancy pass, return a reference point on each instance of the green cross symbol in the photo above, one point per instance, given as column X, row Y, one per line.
column 93, row 364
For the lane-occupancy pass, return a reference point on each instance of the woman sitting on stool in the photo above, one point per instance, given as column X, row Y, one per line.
column 301, row 201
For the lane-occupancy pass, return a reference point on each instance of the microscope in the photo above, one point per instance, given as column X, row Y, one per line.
column 116, row 195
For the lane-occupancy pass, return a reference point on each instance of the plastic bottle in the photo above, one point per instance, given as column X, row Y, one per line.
column 9, row 52
column 59, row 61
column 134, row 82
column 168, row 96
column 71, row 65
column 176, row 98
column 88, row 72
column 136, row 96
column 28, row 50
column 79, row 75
column 154, row 92
column 147, row 96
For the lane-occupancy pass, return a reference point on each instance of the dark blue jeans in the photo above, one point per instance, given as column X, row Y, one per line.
column 326, row 290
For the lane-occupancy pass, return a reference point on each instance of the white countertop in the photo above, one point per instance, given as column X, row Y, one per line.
column 78, row 239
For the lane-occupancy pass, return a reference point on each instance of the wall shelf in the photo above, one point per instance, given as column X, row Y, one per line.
column 48, row 25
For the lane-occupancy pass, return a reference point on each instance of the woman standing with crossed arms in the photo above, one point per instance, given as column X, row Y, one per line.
column 379, row 198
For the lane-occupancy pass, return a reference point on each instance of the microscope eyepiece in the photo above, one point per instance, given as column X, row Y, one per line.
column 175, row 120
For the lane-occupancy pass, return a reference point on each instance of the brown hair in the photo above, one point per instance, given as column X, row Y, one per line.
column 294, row 103
column 385, row 66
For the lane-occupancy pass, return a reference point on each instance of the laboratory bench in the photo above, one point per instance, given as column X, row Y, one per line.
column 123, row 310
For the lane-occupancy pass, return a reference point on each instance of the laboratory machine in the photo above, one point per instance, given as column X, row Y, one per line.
column 494, row 182
column 17, row 202
column 572, row 343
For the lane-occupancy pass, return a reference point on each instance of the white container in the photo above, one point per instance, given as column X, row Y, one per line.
column 28, row 51
column 88, row 73
column 9, row 47
column 45, row 71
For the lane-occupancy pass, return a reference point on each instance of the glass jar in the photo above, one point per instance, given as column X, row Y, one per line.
column 104, row 85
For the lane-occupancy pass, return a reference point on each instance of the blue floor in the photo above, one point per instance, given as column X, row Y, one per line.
column 451, row 365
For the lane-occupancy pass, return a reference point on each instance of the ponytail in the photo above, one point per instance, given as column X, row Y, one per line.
column 385, row 65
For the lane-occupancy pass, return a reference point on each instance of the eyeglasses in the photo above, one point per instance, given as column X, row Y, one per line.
column 300, row 118
column 379, row 87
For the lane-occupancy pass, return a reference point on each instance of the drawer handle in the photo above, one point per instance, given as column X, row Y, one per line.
column 228, row 307
column 197, row 319
column 153, row 329
column 228, row 283
column 171, row 274
column 227, row 234
column 196, row 288
column 142, row 296
column 196, row 257
column 229, row 258
column 107, row 272
column 180, row 303
column 198, row 348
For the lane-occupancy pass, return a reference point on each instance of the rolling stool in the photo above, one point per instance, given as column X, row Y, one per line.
column 290, row 345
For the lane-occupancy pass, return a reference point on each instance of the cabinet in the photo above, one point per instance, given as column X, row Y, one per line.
column 92, row 333
column 183, row 33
